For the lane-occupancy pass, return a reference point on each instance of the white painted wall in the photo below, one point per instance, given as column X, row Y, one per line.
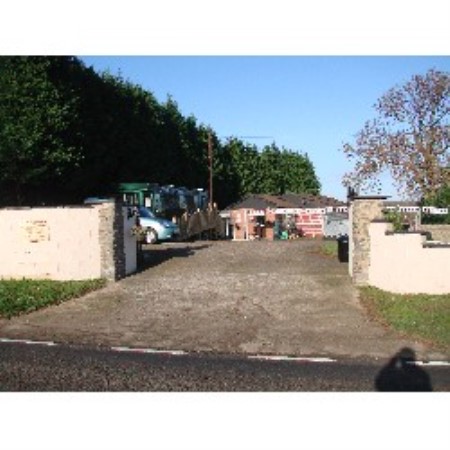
column 53, row 243
column 400, row 263
column 61, row 243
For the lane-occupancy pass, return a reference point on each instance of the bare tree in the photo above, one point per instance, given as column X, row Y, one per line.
column 409, row 138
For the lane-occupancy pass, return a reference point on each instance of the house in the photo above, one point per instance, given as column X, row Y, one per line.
column 262, row 216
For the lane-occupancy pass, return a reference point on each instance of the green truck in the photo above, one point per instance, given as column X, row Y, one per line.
column 189, row 209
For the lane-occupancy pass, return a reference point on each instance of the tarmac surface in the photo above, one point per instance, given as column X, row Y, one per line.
column 259, row 297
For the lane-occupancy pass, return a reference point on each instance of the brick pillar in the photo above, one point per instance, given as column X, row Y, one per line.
column 363, row 210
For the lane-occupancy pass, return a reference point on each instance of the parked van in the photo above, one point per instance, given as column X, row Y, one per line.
column 157, row 229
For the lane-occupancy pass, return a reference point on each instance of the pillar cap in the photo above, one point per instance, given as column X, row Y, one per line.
column 371, row 197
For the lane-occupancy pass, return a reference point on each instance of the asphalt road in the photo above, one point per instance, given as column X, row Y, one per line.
column 62, row 368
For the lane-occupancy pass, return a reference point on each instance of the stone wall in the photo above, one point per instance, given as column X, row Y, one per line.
column 438, row 232
column 111, row 239
column 363, row 210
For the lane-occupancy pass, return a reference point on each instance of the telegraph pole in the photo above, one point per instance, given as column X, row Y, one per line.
column 210, row 164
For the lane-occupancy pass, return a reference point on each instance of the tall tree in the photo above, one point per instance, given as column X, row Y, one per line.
column 271, row 170
column 298, row 174
column 59, row 117
column 35, row 123
column 227, row 179
column 409, row 138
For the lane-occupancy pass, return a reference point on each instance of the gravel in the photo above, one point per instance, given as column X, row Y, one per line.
column 259, row 297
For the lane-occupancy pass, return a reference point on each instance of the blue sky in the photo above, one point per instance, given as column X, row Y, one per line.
column 309, row 104
column 306, row 103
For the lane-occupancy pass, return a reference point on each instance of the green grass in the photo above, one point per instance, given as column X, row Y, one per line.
column 330, row 248
column 426, row 317
column 23, row 296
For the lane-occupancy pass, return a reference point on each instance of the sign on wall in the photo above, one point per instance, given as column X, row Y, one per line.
column 35, row 231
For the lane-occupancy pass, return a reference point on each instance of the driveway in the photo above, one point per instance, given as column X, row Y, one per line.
column 281, row 297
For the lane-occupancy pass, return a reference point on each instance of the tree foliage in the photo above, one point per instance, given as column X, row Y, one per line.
column 36, row 139
column 409, row 138
column 67, row 132
column 440, row 199
column 269, row 171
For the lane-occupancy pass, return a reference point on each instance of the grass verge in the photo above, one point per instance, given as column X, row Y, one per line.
column 426, row 317
column 329, row 248
column 23, row 296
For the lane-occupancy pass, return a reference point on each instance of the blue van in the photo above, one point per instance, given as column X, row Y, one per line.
column 157, row 229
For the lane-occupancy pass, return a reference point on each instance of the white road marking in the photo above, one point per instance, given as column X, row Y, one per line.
column 26, row 341
column 319, row 359
column 149, row 350
column 292, row 358
column 431, row 363
column 261, row 357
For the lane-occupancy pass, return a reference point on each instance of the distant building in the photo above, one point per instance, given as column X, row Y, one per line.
column 260, row 216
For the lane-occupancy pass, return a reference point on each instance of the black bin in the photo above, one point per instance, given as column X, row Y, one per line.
column 343, row 248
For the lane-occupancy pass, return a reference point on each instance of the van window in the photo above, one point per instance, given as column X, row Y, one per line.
column 144, row 212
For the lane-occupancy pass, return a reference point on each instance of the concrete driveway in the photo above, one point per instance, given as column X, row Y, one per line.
column 283, row 298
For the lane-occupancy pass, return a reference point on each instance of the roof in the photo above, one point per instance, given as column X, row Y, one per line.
column 264, row 201
column 313, row 201
column 251, row 202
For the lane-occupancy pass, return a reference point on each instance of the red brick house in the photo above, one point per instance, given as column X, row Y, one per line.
column 287, row 216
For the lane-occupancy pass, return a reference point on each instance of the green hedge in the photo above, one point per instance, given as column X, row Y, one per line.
column 435, row 219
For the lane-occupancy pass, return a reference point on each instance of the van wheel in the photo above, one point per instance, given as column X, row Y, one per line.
column 151, row 236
